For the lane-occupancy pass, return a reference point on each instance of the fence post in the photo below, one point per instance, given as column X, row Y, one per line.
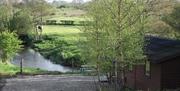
column 72, row 64
column 21, row 66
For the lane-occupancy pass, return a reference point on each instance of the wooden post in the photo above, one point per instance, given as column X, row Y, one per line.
column 98, row 73
column 72, row 65
column 21, row 66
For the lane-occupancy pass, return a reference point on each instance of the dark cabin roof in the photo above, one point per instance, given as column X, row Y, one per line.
column 159, row 50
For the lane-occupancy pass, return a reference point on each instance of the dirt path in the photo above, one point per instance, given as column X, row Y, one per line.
column 48, row 83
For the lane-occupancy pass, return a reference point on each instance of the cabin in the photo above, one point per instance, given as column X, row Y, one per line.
column 164, row 67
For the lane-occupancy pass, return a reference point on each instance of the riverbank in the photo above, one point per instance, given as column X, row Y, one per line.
column 61, row 45
column 10, row 70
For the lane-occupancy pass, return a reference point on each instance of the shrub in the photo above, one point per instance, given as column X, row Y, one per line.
column 9, row 45
column 60, row 51
column 51, row 22
column 21, row 23
column 67, row 22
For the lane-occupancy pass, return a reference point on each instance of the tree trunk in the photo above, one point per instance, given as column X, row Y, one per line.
column 116, row 76
column 98, row 72
column 21, row 66
column 135, row 79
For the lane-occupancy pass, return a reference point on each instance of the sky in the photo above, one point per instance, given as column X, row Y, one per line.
column 65, row 0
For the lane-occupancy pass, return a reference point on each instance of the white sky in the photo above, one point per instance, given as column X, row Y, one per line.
column 65, row 0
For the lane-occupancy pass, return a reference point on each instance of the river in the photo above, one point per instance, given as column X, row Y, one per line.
column 34, row 59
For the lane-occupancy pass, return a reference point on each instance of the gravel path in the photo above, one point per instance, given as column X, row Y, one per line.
column 48, row 83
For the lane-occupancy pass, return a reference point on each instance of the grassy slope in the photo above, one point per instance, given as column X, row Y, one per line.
column 64, row 42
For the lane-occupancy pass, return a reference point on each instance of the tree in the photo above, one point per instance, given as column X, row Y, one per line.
column 9, row 46
column 5, row 15
column 21, row 23
column 157, row 25
column 117, row 32
column 173, row 18
column 38, row 9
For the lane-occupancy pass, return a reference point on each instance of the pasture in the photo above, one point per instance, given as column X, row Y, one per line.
column 67, row 33
column 60, row 44
column 61, row 30
column 61, row 41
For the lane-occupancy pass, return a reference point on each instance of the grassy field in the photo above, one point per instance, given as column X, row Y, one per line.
column 61, row 44
column 62, row 30
column 10, row 70
column 67, row 33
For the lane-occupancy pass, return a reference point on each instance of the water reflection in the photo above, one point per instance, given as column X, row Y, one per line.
column 36, row 60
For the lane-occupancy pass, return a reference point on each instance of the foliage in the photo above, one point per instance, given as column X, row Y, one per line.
column 59, row 20
column 4, row 18
column 159, row 28
column 162, row 19
column 115, row 38
column 38, row 9
column 59, row 51
column 173, row 19
column 9, row 45
column 21, row 22
column 116, row 33
column 106, row 66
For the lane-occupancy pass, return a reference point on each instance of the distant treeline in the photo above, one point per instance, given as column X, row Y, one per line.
column 66, row 22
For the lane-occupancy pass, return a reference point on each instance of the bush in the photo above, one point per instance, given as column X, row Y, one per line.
column 27, row 40
column 62, row 6
column 51, row 22
column 9, row 45
column 85, row 23
column 67, row 22
column 21, row 23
